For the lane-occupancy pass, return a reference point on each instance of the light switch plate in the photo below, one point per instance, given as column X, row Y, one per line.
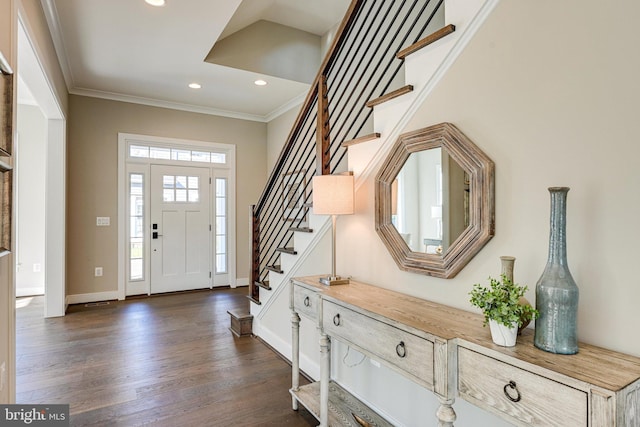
column 103, row 221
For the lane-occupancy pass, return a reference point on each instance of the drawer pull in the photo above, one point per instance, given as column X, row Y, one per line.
column 401, row 351
column 336, row 319
column 307, row 302
column 512, row 386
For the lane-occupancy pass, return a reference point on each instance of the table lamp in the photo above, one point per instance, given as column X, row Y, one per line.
column 333, row 195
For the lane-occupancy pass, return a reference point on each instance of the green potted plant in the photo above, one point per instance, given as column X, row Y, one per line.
column 500, row 304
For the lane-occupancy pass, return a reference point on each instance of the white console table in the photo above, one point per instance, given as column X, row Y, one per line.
column 447, row 351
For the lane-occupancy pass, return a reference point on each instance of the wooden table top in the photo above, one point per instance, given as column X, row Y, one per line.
column 595, row 365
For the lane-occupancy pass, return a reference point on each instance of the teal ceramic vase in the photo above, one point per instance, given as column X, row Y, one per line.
column 556, row 292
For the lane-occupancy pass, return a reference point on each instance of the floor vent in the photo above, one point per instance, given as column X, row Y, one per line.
column 96, row 304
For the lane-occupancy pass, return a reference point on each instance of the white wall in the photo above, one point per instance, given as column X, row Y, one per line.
column 553, row 99
column 277, row 132
column 30, row 200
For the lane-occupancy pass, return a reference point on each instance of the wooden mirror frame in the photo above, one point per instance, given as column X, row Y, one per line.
column 481, row 227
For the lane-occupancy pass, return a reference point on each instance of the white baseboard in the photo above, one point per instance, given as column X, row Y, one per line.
column 92, row 297
column 307, row 365
column 29, row 292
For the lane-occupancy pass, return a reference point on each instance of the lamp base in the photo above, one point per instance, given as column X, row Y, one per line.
column 334, row 280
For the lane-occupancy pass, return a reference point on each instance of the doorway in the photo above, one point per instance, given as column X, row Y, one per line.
column 176, row 215
column 180, row 228
column 30, row 160
column 52, row 158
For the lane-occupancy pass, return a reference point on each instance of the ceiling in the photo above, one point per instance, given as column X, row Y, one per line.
column 130, row 51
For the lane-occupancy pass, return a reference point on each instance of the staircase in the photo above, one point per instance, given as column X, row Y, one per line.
column 385, row 60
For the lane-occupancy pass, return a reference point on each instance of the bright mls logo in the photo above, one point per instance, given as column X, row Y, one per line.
column 34, row 415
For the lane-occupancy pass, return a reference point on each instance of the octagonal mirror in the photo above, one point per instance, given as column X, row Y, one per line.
column 435, row 201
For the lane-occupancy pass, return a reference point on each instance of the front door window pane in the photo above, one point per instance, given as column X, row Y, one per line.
column 181, row 189
column 181, row 195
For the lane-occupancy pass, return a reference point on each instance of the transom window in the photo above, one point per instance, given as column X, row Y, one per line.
column 164, row 153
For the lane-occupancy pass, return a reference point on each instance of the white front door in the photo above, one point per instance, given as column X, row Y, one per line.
column 180, row 228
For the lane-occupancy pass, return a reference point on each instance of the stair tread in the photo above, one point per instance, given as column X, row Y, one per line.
column 361, row 139
column 394, row 94
column 253, row 300
column 264, row 284
column 274, row 268
column 301, row 229
column 290, row 251
column 431, row 38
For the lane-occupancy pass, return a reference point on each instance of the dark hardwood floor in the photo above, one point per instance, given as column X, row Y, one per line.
column 161, row 361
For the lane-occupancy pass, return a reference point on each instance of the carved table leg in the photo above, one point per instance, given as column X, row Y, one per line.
column 295, row 356
column 446, row 414
column 325, row 373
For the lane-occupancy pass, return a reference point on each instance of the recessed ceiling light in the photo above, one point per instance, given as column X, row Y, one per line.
column 155, row 2
column 260, row 83
column 195, row 85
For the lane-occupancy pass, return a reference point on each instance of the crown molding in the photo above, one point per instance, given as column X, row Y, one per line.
column 166, row 104
column 295, row 102
column 51, row 15
column 53, row 20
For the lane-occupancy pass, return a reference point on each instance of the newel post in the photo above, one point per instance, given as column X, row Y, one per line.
column 254, row 224
column 323, row 144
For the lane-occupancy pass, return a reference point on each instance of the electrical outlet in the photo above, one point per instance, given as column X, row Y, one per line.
column 98, row 272
column 37, row 268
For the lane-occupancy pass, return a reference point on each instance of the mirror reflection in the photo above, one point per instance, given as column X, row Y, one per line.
column 430, row 201
column 435, row 200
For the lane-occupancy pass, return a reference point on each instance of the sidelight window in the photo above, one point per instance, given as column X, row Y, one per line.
column 136, row 229
column 221, row 225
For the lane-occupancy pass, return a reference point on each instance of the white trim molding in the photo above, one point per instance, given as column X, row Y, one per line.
column 92, row 297
column 229, row 168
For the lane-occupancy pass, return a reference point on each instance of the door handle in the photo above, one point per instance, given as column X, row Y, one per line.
column 155, row 235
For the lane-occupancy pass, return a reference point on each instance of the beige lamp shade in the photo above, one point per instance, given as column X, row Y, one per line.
column 333, row 195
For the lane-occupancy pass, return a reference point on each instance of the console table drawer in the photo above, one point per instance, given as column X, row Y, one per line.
column 306, row 301
column 525, row 398
column 410, row 353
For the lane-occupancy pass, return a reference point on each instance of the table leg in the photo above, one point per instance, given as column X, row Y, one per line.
column 446, row 414
column 325, row 373
column 295, row 356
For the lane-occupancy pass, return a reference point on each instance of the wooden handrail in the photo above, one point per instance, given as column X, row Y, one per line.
column 254, row 225
column 323, row 142
column 317, row 93
column 340, row 37
column 360, row 64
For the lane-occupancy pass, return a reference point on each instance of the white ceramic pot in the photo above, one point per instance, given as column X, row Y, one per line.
column 503, row 335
